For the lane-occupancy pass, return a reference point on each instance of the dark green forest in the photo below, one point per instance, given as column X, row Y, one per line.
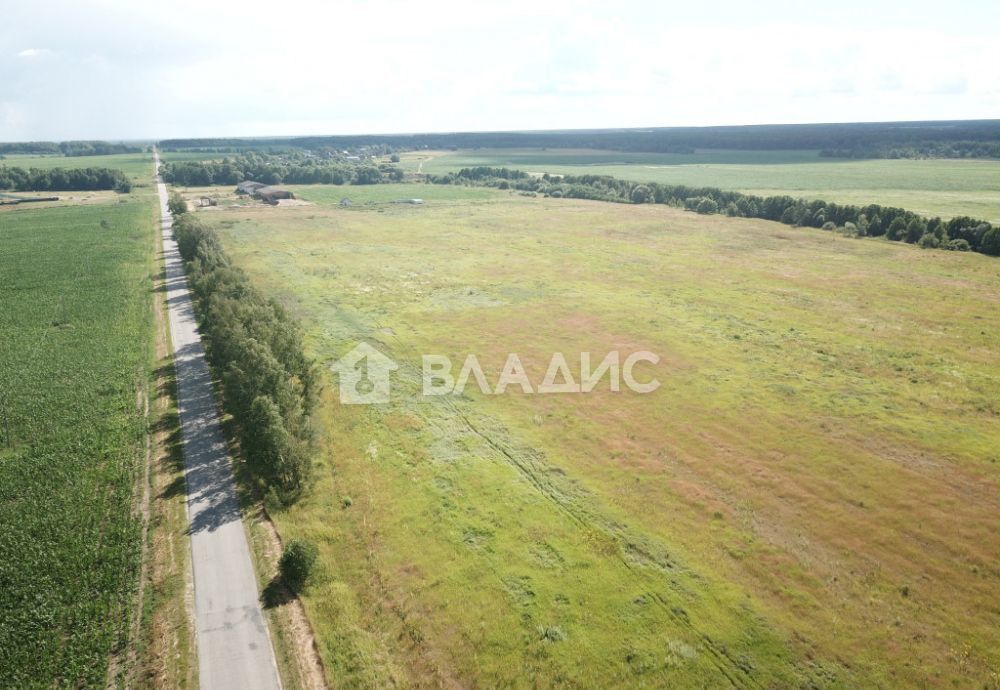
column 67, row 148
column 958, row 138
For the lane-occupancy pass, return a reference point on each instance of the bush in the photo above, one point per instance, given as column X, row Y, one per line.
column 915, row 230
column 829, row 226
column 297, row 563
column 929, row 241
column 958, row 246
column 896, row 230
column 991, row 242
column 641, row 194
column 706, row 205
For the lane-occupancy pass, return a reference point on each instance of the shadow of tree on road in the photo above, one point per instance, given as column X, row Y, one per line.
column 276, row 594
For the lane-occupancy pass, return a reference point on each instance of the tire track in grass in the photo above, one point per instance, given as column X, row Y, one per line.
column 634, row 551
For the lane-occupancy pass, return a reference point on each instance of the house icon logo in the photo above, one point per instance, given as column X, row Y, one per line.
column 364, row 376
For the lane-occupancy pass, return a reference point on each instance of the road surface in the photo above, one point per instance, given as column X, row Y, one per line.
column 234, row 650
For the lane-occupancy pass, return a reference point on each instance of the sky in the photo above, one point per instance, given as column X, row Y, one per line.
column 113, row 69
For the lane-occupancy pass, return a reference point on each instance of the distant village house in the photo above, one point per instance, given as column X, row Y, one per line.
column 272, row 195
column 249, row 187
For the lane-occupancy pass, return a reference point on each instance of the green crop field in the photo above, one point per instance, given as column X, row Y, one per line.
column 135, row 165
column 933, row 187
column 810, row 499
column 75, row 342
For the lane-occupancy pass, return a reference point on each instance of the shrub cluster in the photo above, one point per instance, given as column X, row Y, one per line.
column 63, row 179
column 961, row 233
column 277, row 169
column 269, row 386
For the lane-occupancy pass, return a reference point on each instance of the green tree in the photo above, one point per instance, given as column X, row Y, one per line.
column 875, row 226
column 929, row 241
column 641, row 194
column 991, row 242
column 915, row 229
column 176, row 204
column 273, row 451
column 706, row 205
column 897, row 229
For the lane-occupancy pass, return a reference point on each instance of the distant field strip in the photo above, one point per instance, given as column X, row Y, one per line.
column 75, row 359
column 135, row 165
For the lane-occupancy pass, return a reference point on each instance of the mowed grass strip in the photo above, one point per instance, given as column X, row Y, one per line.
column 75, row 357
column 810, row 499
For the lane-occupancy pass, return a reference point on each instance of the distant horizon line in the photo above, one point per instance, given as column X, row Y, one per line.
column 651, row 128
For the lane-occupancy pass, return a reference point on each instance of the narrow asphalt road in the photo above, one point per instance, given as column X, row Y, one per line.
column 234, row 650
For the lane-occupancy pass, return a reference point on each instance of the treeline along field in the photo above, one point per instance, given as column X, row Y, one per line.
column 75, row 359
column 271, row 168
column 63, row 179
column 961, row 233
column 68, row 148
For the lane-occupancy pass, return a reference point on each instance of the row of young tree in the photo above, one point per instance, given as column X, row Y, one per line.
column 277, row 169
column 962, row 233
column 269, row 385
column 63, row 179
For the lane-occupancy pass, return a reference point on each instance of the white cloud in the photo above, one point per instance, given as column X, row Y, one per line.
column 34, row 52
column 206, row 67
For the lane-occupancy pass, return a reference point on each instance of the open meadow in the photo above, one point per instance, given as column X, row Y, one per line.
column 76, row 346
column 933, row 187
column 810, row 498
